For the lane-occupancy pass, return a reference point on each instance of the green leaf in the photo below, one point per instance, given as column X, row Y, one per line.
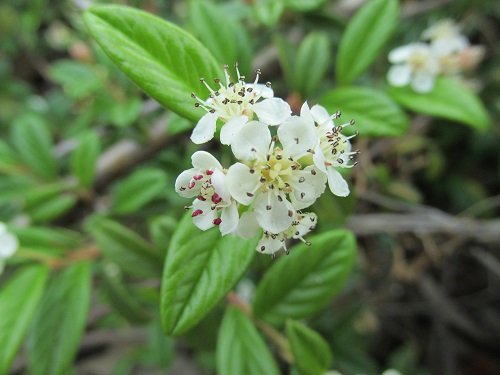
column 76, row 78
column 375, row 113
column 138, row 189
column 84, row 158
column 311, row 352
column 364, row 38
column 312, row 61
column 303, row 6
column 200, row 269
column 60, row 321
column 229, row 44
column 19, row 299
column 32, row 139
column 303, row 282
column 241, row 349
column 287, row 54
column 161, row 58
column 449, row 99
column 127, row 249
column 52, row 208
column 268, row 12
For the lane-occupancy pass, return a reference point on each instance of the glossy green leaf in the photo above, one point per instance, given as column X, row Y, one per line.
column 230, row 43
column 138, row 189
column 268, row 12
column 241, row 349
column 161, row 58
column 303, row 282
column 312, row 61
column 375, row 113
column 84, row 158
column 449, row 99
column 200, row 269
column 364, row 38
column 126, row 248
column 32, row 139
column 61, row 316
column 19, row 299
column 311, row 352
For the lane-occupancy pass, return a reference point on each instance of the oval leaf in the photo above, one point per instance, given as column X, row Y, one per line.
column 241, row 349
column 375, row 113
column 200, row 269
column 364, row 38
column 303, row 282
column 16, row 312
column 449, row 99
column 161, row 58
column 84, row 158
column 61, row 317
column 268, row 12
column 311, row 353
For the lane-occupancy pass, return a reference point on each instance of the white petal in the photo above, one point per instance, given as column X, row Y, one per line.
column 182, row 183
column 218, row 179
column 205, row 220
column 230, row 219
column 204, row 160
column 321, row 115
column 240, row 181
column 3, row 228
column 306, row 224
column 401, row 54
column 205, row 128
column 297, row 136
column 423, row 82
column 273, row 215
column 305, row 114
column 247, row 227
column 8, row 245
column 319, row 158
column 261, row 90
column 252, row 142
column 269, row 245
column 399, row 75
column 230, row 128
column 272, row 111
column 338, row 185
column 312, row 186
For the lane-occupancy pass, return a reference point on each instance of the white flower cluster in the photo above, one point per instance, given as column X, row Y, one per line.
column 280, row 171
column 444, row 51
column 8, row 245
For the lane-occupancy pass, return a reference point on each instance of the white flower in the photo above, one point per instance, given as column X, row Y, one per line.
column 445, row 37
column 332, row 149
column 8, row 245
column 235, row 105
column 416, row 64
column 207, row 181
column 272, row 180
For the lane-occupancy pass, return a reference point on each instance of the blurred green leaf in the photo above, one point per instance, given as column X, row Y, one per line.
column 241, row 349
column 311, row 352
column 375, row 113
column 19, row 299
column 287, row 54
column 126, row 248
column 312, row 61
column 268, row 12
column 364, row 38
column 62, row 315
column 161, row 229
column 161, row 58
column 303, row 282
column 84, row 158
column 52, row 209
column 138, row 189
column 200, row 269
column 303, row 6
column 32, row 139
column 123, row 113
column 76, row 78
column 449, row 99
column 230, row 43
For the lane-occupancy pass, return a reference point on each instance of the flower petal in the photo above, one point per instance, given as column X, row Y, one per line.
column 218, row 179
column 423, row 82
column 182, row 183
column 321, row 115
column 268, row 245
column 307, row 184
column 230, row 219
column 272, row 111
column 247, row 226
column 272, row 214
column 241, row 182
column 204, row 160
column 338, row 185
column 401, row 54
column 297, row 136
column 307, row 222
column 204, row 220
column 252, row 142
column 305, row 113
column 399, row 75
column 261, row 90
column 230, row 128
column 205, row 128
column 8, row 245
column 319, row 158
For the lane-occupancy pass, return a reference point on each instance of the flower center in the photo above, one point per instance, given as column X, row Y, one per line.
column 276, row 170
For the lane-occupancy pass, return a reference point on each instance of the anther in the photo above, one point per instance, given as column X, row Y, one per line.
column 268, row 207
column 249, row 194
column 217, row 221
column 313, row 172
column 302, row 195
column 252, row 171
column 268, row 84
column 262, row 179
column 262, row 248
column 196, row 213
column 279, row 157
column 352, row 122
column 307, row 243
column 212, row 111
column 193, row 95
column 196, row 105
column 302, row 179
column 290, row 213
column 279, row 198
column 296, row 140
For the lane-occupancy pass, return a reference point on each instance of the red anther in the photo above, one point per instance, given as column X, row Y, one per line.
column 209, row 172
column 191, row 185
column 202, row 198
column 217, row 221
column 216, row 198
column 196, row 213
column 198, row 177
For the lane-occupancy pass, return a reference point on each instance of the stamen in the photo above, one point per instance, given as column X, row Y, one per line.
column 196, row 213
column 217, row 221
